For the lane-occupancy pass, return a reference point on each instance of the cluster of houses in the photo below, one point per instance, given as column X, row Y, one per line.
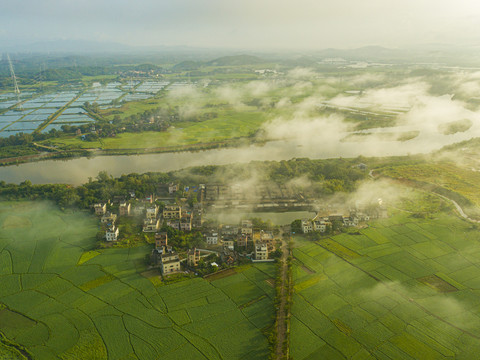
column 321, row 223
column 228, row 241
column 173, row 215
column 167, row 259
column 242, row 239
column 108, row 220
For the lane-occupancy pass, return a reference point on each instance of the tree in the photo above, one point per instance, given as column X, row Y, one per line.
column 296, row 226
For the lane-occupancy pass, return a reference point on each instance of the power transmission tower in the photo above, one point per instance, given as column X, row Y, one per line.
column 14, row 78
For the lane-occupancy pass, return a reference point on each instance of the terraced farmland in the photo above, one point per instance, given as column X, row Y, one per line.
column 403, row 288
column 60, row 299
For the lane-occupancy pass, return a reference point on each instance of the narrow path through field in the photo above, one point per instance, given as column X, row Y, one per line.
column 458, row 207
column 455, row 204
column 282, row 316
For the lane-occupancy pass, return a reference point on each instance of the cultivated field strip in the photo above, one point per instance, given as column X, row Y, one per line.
column 61, row 299
column 411, row 292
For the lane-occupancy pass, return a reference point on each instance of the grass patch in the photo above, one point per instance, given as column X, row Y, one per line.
column 92, row 284
column 338, row 249
column 88, row 256
column 15, row 222
column 437, row 283
column 454, row 127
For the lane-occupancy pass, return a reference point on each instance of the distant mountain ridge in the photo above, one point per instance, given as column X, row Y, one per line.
column 235, row 60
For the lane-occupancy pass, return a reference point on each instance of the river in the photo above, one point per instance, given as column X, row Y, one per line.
column 314, row 145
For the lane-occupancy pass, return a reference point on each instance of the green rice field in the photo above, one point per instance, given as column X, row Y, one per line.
column 403, row 288
column 61, row 299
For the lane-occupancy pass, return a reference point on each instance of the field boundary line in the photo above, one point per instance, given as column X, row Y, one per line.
column 407, row 298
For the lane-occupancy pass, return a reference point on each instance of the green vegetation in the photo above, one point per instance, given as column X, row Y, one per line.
column 214, row 130
column 63, row 300
column 328, row 177
column 455, row 127
column 384, row 136
column 218, row 101
column 402, row 288
column 444, row 177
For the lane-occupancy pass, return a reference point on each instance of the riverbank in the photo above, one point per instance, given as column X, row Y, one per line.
column 93, row 152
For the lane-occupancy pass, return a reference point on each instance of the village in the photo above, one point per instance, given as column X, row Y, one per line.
column 185, row 242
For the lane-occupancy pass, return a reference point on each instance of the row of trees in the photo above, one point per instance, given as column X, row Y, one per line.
column 104, row 187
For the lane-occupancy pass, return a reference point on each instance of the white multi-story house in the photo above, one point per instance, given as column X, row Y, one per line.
column 320, row 225
column 261, row 251
column 307, row 226
column 212, row 238
column 112, row 233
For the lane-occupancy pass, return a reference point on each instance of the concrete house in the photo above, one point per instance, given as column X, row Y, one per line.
column 108, row 218
column 261, row 251
column 246, row 227
column 212, row 238
column 172, row 212
column 266, row 236
column 173, row 188
column 229, row 230
column 151, row 225
column 186, row 222
column 161, row 240
column 320, row 225
column 169, row 262
column 242, row 240
column 307, row 226
column 100, row 209
column 112, row 233
column 151, row 212
column 124, row 209
column 193, row 257
column 229, row 244
column 174, row 224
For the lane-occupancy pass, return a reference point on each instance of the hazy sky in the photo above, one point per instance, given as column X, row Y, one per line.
column 299, row 24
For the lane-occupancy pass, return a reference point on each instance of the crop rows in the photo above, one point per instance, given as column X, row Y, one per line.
column 64, row 301
column 412, row 293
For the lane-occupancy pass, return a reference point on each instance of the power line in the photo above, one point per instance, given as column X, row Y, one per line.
column 14, row 78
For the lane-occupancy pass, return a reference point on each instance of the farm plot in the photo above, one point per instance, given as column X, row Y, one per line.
column 61, row 299
column 410, row 292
